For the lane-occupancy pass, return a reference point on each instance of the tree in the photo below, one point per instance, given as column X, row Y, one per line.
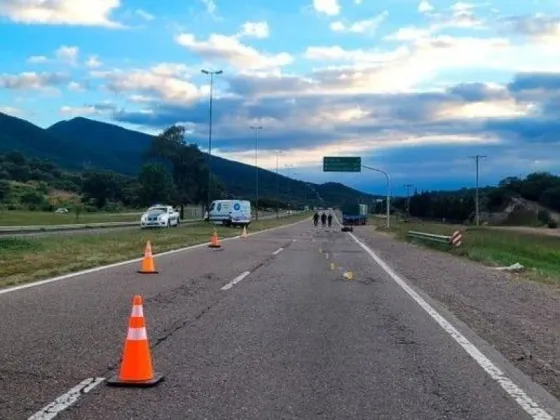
column 5, row 190
column 156, row 184
column 187, row 163
column 33, row 199
column 102, row 186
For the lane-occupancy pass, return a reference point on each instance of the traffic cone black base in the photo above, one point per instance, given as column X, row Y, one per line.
column 115, row 381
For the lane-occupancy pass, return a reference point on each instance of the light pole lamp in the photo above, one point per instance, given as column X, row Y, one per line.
column 257, row 129
column 211, row 74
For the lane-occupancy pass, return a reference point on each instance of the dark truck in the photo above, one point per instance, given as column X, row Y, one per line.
column 354, row 214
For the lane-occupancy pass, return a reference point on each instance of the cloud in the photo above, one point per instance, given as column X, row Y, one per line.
column 105, row 108
column 68, row 55
column 93, row 62
column 61, row 12
column 255, row 29
column 144, row 15
column 166, row 81
column 37, row 59
column 327, row 7
column 361, row 26
column 536, row 28
column 75, row 87
column 210, row 6
column 10, row 110
column 32, row 81
column 232, row 52
column 425, row 7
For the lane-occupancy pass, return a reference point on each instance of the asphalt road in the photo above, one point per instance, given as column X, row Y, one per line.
column 292, row 340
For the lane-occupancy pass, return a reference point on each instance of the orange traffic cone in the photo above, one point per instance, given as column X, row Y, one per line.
column 148, row 266
column 215, row 242
column 136, row 364
column 244, row 234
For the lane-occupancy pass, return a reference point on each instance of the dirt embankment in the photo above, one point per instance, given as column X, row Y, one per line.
column 518, row 317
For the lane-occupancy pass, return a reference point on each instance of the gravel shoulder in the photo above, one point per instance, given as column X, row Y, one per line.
column 520, row 318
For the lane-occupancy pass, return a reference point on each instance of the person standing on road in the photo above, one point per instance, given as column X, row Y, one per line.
column 323, row 219
column 316, row 219
column 329, row 219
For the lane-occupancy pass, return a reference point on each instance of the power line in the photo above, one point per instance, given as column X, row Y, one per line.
column 476, row 203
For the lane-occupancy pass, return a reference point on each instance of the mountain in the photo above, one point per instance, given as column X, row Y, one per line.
column 81, row 143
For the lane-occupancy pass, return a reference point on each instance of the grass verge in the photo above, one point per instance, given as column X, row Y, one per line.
column 35, row 218
column 23, row 260
column 538, row 253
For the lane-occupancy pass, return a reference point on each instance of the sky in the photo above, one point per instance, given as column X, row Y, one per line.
column 415, row 88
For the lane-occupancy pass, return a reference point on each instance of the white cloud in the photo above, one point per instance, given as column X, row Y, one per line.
column 32, row 81
column 74, row 111
column 361, row 26
column 410, row 33
column 10, row 110
column 425, row 7
column 167, row 81
column 328, row 7
column 233, row 52
column 68, row 55
column 75, row 87
column 37, row 59
column 210, row 6
column 93, row 62
column 61, row 12
column 144, row 15
column 255, row 29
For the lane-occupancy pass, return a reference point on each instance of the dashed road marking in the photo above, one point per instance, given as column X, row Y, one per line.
column 236, row 280
column 51, row 410
column 530, row 406
column 278, row 251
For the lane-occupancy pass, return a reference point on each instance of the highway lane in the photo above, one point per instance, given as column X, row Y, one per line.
column 291, row 340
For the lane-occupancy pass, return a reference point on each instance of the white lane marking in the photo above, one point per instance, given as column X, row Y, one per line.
column 278, row 251
column 118, row 264
column 530, row 406
column 236, row 280
column 66, row 400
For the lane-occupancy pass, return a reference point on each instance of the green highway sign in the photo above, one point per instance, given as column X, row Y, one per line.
column 342, row 164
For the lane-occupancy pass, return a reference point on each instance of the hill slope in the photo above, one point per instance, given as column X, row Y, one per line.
column 80, row 143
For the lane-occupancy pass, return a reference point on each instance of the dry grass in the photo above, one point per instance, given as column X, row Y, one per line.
column 26, row 259
column 539, row 253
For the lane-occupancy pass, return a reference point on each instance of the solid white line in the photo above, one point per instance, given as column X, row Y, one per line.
column 530, row 406
column 118, row 264
column 278, row 251
column 236, row 280
column 66, row 400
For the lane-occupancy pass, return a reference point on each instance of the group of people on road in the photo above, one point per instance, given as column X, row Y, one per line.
column 324, row 219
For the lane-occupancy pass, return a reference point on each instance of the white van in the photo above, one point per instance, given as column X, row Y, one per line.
column 231, row 212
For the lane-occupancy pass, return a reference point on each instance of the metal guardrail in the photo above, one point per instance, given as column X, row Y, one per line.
column 454, row 240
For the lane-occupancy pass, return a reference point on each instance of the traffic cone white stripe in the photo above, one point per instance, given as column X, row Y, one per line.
column 137, row 334
column 137, row 311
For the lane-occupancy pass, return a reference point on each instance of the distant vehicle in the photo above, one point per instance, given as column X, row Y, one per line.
column 61, row 210
column 353, row 215
column 230, row 212
column 160, row 215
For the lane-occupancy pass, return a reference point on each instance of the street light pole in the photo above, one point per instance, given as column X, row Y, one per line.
column 211, row 74
column 477, row 205
column 407, row 186
column 257, row 129
column 277, row 184
column 388, row 192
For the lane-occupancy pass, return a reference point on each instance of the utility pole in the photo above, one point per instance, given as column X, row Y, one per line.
column 211, row 74
column 257, row 129
column 477, row 204
column 407, row 186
